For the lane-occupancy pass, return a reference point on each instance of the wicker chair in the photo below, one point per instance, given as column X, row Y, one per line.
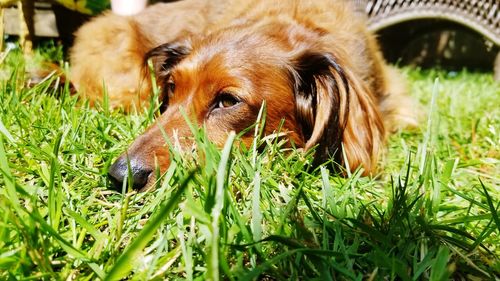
column 482, row 16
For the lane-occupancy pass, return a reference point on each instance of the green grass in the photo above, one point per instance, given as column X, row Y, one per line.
column 431, row 213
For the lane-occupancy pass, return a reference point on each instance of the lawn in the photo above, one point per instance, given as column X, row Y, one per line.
column 235, row 213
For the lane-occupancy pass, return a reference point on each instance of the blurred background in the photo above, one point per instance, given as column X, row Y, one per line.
column 446, row 34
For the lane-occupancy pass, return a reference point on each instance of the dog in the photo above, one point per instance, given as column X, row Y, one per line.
column 314, row 63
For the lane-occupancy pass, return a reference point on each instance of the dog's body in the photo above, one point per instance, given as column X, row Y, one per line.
column 314, row 63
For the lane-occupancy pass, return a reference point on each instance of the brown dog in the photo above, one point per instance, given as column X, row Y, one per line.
column 313, row 62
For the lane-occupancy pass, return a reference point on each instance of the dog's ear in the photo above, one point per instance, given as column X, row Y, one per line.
column 336, row 111
column 164, row 58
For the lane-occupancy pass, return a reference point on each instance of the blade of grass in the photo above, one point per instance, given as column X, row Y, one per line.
column 256, row 212
column 222, row 174
column 6, row 133
column 85, row 224
column 55, row 195
column 492, row 208
column 8, row 181
column 439, row 270
column 123, row 265
column 428, row 133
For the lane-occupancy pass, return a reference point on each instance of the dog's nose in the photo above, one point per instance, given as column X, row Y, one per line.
column 118, row 173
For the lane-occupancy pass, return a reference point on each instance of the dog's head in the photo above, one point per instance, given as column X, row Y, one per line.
column 222, row 80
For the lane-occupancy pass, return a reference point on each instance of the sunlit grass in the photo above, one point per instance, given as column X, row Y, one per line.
column 432, row 213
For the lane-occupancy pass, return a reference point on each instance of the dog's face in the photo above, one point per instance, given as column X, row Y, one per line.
column 221, row 82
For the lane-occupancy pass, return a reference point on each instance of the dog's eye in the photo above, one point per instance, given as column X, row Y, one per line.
column 170, row 87
column 226, row 100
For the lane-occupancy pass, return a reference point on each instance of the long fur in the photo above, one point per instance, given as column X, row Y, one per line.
column 314, row 63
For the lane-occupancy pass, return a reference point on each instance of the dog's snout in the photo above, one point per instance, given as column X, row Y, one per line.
column 119, row 171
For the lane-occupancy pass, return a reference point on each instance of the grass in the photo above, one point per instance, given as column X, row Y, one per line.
column 235, row 214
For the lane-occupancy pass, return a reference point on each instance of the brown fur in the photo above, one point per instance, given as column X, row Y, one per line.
column 314, row 63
